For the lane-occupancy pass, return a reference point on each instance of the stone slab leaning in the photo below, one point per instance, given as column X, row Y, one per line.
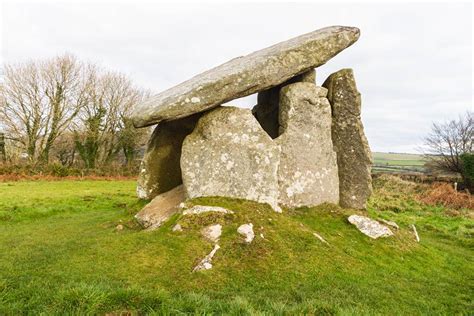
column 354, row 158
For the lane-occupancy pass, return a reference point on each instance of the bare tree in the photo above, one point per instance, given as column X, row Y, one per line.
column 39, row 100
column 100, row 135
column 448, row 141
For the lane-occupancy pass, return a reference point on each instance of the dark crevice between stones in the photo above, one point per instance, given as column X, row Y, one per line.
column 268, row 104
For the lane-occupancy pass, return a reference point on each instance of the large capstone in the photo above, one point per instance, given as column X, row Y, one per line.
column 229, row 154
column 353, row 153
column 308, row 169
column 160, row 168
column 267, row 109
column 243, row 76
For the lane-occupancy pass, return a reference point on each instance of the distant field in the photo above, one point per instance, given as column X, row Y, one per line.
column 396, row 162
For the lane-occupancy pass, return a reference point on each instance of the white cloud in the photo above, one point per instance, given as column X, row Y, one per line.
column 412, row 63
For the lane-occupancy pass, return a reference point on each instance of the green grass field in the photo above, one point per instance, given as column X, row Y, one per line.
column 61, row 255
column 395, row 162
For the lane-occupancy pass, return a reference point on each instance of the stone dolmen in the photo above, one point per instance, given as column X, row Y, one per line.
column 301, row 145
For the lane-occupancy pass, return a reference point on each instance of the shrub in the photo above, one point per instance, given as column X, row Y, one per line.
column 444, row 194
column 468, row 170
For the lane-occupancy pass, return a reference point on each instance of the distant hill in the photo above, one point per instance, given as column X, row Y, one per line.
column 397, row 162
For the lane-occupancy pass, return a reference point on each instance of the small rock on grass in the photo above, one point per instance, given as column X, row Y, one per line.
column 417, row 238
column 389, row 223
column 199, row 209
column 177, row 228
column 206, row 263
column 212, row 232
column 370, row 227
column 320, row 238
column 247, row 231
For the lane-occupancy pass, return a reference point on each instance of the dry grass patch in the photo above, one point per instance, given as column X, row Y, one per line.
column 445, row 195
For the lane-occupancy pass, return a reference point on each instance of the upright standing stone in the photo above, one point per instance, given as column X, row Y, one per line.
column 160, row 168
column 267, row 108
column 308, row 169
column 229, row 154
column 246, row 75
column 353, row 153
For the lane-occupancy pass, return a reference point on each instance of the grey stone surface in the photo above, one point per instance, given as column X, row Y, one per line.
column 177, row 228
column 161, row 208
column 389, row 223
column 206, row 263
column 243, row 76
column 200, row 209
column 353, row 153
column 160, row 168
column 246, row 230
column 370, row 227
column 307, row 173
column 229, row 154
column 212, row 232
column 266, row 110
column 320, row 238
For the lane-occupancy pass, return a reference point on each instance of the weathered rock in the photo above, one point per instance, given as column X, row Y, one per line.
column 389, row 223
column 307, row 173
column 229, row 154
column 267, row 108
column 161, row 208
column 247, row 231
column 206, row 263
column 212, row 232
column 320, row 238
column 160, row 168
column 370, row 227
column 354, row 158
column 200, row 209
column 177, row 228
column 246, row 75
column 415, row 232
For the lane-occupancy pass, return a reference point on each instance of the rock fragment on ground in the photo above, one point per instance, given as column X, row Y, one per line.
column 389, row 223
column 320, row 238
column 354, row 158
column 246, row 75
column 212, row 232
column 307, row 174
column 246, row 230
column 370, row 227
column 200, row 209
column 229, row 154
column 177, row 228
column 415, row 232
column 161, row 208
column 206, row 263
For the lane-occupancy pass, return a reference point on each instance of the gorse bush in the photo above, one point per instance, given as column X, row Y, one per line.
column 467, row 160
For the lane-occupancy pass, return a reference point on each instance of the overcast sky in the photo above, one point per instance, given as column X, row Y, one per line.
column 413, row 63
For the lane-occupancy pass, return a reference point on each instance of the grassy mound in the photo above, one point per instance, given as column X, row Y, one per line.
column 61, row 254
